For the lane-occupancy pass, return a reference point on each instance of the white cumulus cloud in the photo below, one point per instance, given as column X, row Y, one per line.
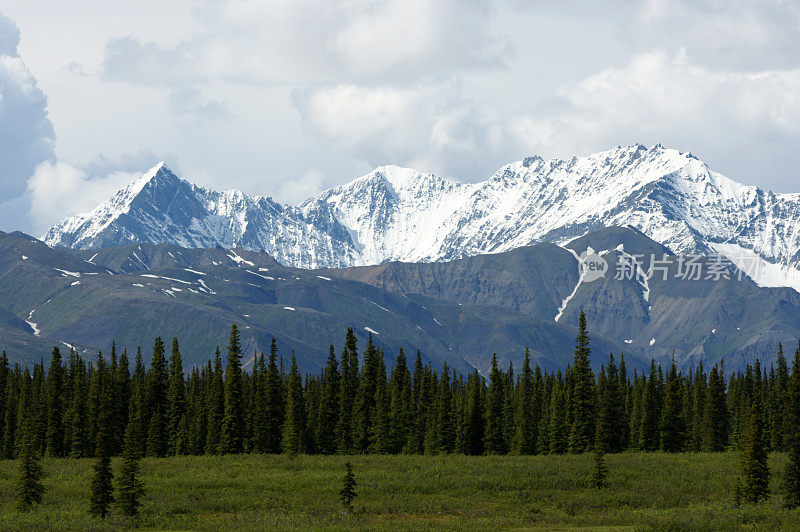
column 58, row 190
column 26, row 134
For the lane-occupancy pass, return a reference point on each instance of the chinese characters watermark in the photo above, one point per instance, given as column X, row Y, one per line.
column 691, row 267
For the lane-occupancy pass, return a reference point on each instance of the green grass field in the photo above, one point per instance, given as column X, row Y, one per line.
column 645, row 491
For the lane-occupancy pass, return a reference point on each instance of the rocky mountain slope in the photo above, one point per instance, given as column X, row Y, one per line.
column 457, row 311
column 131, row 294
column 657, row 311
column 399, row 214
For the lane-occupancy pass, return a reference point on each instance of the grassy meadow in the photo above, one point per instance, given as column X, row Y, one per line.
column 646, row 490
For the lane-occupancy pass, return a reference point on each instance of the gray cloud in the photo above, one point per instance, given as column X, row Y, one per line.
column 191, row 102
column 728, row 35
column 312, row 41
column 26, row 134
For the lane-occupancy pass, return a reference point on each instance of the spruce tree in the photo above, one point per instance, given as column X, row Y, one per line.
column 650, row 436
column 232, row 436
column 176, row 402
column 627, row 405
column 138, row 401
column 475, row 421
column 365, row 401
column 275, row 403
column 611, row 421
column 29, row 489
column 55, row 406
column 381, row 437
column 779, row 400
column 422, row 405
column 348, row 492
column 294, row 430
column 122, row 399
column 215, row 405
column 673, row 427
column 257, row 407
column 328, row 416
column 102, row 492
column 755, row 470
column 600, row 471
column 445, row 426
column 698, row 408
column 557, row 431
column 524, row 440
column 347, row 396
column 75, row 427
column 715, row 417
column 129, row 486
column 401, row 405
column 7, row 448
column 157, row 385
column 791, row 437
column 582, row 431
column 5, row 384
column 494, row 440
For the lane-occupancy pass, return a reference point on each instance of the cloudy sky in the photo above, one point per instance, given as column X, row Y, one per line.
column 286, row 98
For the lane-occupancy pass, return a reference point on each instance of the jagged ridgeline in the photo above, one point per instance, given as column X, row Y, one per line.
column 359, row 404
column 400, row 214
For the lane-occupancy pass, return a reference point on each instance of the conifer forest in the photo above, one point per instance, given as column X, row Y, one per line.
column 131, row 408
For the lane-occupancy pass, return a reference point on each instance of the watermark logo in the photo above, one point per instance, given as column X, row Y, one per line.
column 592, row 266
column 690, row 267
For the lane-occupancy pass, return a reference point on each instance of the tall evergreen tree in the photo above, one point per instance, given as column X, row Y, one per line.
column 582, row 431
column 129, row 486
column 121, row 401
column 102, row 492
column 698, row 408
column 347, row 397
column 494, row 439
column 673, row 426
column 524, row 440
column 791, row 437
column 715, row 417
column 422, row 402
column 557, row 431
column 294, row 430
column 29, row 481
column 232, row 436
column 401, row 403
column 55, row 406
column 329, row 406
column 275, row 402
column 176, row 402
column 611, row 420
column 650, row 433
column 215, row 405
column 779, row 400
column 755, row 470
column 157, row 385
column 475, row 422
column 445, row 425
column 365, row 400
column 381, row 437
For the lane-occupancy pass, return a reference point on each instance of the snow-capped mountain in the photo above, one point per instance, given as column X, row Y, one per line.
column 396, row 213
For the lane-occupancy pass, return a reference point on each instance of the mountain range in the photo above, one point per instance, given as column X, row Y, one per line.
column 460, row 311
column 399, row 214
column 458, row 271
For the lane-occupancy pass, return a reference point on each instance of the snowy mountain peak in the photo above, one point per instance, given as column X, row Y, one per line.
column 396, row 213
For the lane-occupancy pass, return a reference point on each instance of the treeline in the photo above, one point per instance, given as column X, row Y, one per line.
column 358, row 405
